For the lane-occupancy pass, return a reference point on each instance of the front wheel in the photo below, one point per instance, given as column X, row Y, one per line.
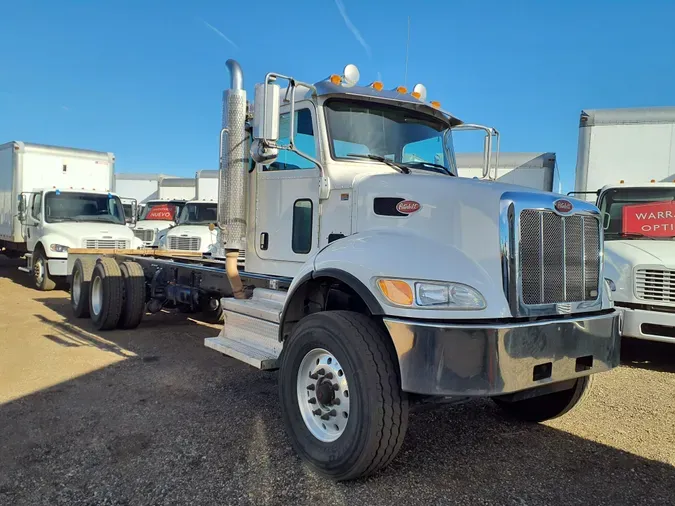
column 41, row 272
column 548, row 406
column 340, row 393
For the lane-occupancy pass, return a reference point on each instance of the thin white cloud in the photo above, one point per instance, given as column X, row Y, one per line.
column 351, row 27
column 65, row 108
column 219, row 33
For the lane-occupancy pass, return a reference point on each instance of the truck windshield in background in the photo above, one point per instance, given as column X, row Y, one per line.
column 202, row 213
column 416, row 140
column 638, row 213
column 74, row 206
column 161, row 211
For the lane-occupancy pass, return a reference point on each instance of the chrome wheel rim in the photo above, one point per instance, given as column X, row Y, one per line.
column 39, row 270
column 77, row 286
column 323, row 395
column 96, row 295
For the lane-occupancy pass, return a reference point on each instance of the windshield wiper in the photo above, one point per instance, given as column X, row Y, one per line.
column 429, row 164
column 635, row 235
column 55, row 219
column 401, row 168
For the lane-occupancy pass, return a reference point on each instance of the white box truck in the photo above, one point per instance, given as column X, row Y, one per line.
column 371, row 281
column 56, row 198
column 626, row 163
column 195, row 227
column 532, row 170
column 160, row 213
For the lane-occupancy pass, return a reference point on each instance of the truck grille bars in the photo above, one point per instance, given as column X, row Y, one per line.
column 559, row 257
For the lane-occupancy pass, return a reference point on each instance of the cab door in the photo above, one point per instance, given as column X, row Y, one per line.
column 32, row 225
column 287, row 197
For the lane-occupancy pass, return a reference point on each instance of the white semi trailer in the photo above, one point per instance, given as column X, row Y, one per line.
column 533, row 170
column 372, row 280
column 626, row 162
column 161, row 213
column 56, row 198
column 195, row 228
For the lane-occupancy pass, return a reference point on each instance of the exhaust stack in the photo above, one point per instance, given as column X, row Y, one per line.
column 232, row 175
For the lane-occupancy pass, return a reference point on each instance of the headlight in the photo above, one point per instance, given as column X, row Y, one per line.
column 432, row 295
column 58, row 248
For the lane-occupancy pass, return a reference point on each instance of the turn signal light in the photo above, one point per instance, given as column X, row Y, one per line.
column 397, row 291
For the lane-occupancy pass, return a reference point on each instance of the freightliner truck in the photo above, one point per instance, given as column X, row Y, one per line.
column 374, row 281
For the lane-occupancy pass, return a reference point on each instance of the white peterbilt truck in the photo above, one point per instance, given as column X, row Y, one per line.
column 373, row 283
column 160, row 214
column 56, row 198
column 195, row 227
column 626, row 163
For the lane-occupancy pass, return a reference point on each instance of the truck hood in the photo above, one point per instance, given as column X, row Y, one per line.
column 636, row 252
column 72, row 234
column 153, row 224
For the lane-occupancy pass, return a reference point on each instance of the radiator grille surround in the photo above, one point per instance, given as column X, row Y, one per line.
column 106, row 244
column 185, row 243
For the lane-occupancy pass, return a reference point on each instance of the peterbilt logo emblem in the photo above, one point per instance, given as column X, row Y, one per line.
column 408, row 206
column 563, row 206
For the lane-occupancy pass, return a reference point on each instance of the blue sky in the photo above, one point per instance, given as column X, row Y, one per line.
column 144, row 79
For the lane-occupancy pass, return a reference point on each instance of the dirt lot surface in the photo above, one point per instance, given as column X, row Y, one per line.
column 153, row 417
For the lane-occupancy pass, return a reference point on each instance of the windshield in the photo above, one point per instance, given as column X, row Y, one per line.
column 414, row 139
column 73, row 206
column 202, row 213
column 162, row 211
column 638, row 212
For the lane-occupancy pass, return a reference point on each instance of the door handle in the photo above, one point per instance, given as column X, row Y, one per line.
column 264, row 240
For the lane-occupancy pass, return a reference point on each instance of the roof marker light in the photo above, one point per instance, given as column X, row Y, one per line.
column 436, row 104
column 336, row 79
column 377, row 85
column 653, row 180
column 402, row 89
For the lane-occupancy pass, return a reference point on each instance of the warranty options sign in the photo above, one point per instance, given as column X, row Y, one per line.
column 657, row 219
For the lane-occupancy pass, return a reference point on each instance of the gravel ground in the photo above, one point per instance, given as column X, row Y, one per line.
column 153, row 417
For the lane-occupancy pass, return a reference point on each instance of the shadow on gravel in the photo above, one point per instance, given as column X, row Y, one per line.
column 9, row 269
column 651, row 355
column 182, row 424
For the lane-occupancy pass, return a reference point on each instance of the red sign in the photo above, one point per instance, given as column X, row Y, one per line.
column 165, row 212
column 408, row 206
column 563, row 206
column 657, row 219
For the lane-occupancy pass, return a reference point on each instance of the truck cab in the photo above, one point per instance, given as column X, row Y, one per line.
column 195, row 228
column 157, row 217
column 55, row 220
column 639, row 234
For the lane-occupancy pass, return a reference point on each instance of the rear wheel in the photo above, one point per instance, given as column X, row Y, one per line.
column 133, row 305
column 41, row 272
column 79, row 289
column 105, row 294
column 548, row 406
column 340, row 392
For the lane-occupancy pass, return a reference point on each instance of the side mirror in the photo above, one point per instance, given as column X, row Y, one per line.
column 22, row 207
column 134, row 212
column 265, row 123
column 606, row 218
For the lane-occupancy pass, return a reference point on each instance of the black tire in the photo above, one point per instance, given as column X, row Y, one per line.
column 133, row 305
column 79, row 287
column 105, row 294
column 548, row 406
column 213, row 315
column 41, row 272
column 379, row 417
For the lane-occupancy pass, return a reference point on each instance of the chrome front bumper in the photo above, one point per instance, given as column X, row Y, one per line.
column 475, row 360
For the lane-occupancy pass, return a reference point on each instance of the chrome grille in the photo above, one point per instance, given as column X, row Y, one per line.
column 106, row 244
column 655, row 284
column 551, row 251
column 145, row 235
column 185, row 243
